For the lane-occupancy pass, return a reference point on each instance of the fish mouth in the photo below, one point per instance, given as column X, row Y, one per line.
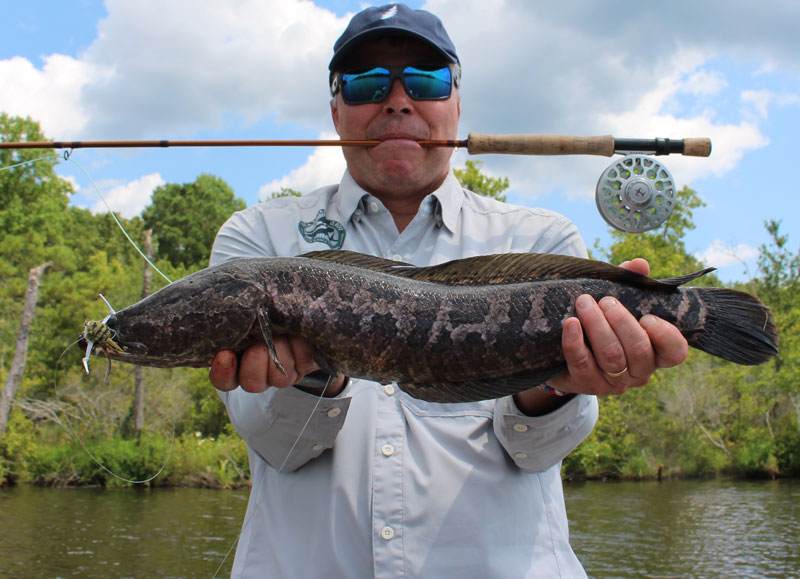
column 116, row 349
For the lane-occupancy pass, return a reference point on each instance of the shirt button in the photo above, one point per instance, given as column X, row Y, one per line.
column 520, row 455
column 334, row 412
column 358, row 212
column 387, row 533
column 373, row 207
column 317, row 447
column 389, row 389
column 387, row 450
column 521, row 427
column 397, row 257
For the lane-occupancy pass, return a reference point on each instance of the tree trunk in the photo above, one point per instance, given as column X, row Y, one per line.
column 21, row 352
column 138, row 379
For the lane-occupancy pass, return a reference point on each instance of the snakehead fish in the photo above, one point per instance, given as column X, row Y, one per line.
column 465, row 330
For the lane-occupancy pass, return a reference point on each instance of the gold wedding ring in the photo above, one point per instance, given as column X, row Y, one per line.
column 616, row 374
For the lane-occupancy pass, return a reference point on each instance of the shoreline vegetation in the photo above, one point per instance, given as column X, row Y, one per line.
column 195, row 460
column 705, row 418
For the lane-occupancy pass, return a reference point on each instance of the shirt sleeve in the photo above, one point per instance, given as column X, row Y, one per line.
column 286, row 426
column 241, row 236
column 535, row 443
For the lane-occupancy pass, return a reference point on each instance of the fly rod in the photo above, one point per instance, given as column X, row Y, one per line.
column 475, row 144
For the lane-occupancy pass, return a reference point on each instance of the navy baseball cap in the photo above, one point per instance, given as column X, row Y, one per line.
column 397, row 19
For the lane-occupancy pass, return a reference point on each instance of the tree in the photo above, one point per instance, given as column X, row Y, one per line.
column 18, row 365
column 33, row 212
column 33, row 199
column 185, row 218
column 471, row 178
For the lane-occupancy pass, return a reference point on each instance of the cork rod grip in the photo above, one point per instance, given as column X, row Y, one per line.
column 697, row 147
column 540, row 144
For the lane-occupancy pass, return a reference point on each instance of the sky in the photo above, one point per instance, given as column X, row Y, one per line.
column 240, row 69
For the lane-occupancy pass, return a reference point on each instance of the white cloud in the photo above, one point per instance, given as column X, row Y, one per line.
column 173, row 74
column 704, row 82
column 323, row 166
column 50, row 95
column 73, row 182
column 532, row 67
column 758, row 100
column 166, row 68
column 720, row 255
column 129, row 199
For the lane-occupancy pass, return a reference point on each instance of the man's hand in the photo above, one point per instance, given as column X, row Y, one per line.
column 624, row 352
column 258, row 372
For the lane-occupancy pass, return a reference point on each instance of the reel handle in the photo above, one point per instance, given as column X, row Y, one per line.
column 605, row 145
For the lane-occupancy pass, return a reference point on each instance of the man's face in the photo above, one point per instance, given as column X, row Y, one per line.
column 398, row 166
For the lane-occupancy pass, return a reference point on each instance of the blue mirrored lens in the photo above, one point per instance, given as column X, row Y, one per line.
column 369, row 86
column 373, row 85
column 427, row 84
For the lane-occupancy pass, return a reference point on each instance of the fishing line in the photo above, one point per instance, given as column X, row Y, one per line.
column 31, row 161
column 68, row 424
column 73, row 432
column 69, row 158
column 283, row 464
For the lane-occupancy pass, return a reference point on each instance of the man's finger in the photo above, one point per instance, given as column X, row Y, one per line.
column 608, row 351
column 222, row 373
column 671, row 348
column 253, row 368
column 638, row 358
column 303, row 356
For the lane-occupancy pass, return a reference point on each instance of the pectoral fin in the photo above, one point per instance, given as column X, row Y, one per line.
column 266, row 332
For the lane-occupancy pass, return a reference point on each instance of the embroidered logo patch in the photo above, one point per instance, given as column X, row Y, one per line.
column 392, row 11
column 322, row 230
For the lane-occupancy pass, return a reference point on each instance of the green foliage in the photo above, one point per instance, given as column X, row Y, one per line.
column 207, row 413
column 185, row 218
column 703, row 418
column 185, row 460
column 471, row 178
column 16, row 448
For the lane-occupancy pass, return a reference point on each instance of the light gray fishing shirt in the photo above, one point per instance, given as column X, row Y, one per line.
column 374, row 482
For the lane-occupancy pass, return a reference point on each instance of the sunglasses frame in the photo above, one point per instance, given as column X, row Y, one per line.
column 397, row 72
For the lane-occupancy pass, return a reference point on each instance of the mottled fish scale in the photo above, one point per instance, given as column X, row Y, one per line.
column 465, row 330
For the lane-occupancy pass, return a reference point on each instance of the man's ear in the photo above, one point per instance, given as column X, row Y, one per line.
column 335, row 114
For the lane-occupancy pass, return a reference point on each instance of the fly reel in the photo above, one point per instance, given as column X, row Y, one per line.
column 635, row 194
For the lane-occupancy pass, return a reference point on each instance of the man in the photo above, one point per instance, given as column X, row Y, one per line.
column 365, row 480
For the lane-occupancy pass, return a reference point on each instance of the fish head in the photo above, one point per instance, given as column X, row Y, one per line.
column 184, row 324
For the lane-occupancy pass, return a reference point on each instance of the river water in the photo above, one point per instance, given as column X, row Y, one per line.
column 626, row 530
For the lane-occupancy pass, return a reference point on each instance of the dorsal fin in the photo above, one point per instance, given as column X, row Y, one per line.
column 503, row 268
column 357, row 260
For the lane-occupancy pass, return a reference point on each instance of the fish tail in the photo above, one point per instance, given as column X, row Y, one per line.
column 738, row 327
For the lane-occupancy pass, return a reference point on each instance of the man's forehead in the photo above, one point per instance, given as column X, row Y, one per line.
column 394, row 47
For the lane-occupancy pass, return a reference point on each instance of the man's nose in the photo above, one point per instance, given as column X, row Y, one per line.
column 398, row 100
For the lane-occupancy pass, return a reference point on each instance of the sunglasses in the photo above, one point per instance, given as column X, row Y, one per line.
column 372, row 85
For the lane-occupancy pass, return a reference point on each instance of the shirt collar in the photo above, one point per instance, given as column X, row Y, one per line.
column 350, row 198
column 450, row 199
column 445, row 203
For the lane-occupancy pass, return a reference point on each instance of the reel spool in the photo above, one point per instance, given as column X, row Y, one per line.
column 635, row 194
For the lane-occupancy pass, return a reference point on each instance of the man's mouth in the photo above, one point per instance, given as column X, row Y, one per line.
column 398, row 137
